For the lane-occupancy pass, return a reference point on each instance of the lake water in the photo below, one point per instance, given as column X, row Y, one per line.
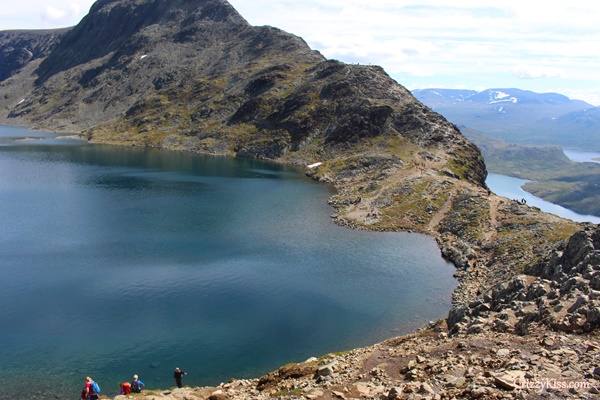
column 512, row 188
column 118, row 261
column 582, row 156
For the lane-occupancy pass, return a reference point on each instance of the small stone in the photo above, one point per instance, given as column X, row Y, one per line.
column 338, row 394
column 572, row 390
column 362, row 389
column 426, row 389
column 218, row 395
column 503, row 352
column 455, row 382
column 508, row 380
column 474, row 329
column 548, row 342
column 395, row 393
column 479, row 392
column 593, row 316
column 314, row 394
column 325, row 370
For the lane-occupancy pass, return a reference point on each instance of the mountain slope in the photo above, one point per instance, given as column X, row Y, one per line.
column 582, row 127
column 19, row 48
column 193, row 74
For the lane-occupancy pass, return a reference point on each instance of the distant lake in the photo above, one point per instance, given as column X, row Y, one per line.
column 119, row 261
column 582, row 156
column 512, row 188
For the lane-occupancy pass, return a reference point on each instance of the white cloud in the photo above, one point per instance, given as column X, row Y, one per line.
column 537, row 72
column 42, row 14
column 592, row 96
column 54, row 13
column 466, row 43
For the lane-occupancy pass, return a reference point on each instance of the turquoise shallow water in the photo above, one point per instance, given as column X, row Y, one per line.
column 118, row 261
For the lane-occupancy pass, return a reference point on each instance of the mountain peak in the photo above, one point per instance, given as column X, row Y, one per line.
column 124, row 26
column 215, row 10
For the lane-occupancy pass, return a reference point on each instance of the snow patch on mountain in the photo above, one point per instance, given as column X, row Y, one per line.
column 498, row 96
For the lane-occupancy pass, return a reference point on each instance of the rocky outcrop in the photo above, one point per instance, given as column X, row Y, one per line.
column 562, row 293
column 19, row 48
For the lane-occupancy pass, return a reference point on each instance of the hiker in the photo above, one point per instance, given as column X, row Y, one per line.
column 126, row 388
column 137, row 385
column 178, row 375
column 91, row 389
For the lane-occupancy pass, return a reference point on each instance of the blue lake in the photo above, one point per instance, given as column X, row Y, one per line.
column 512, row 188
column 582, row 156
column 119, row 261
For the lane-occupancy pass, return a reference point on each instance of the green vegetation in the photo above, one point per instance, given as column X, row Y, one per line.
column 469, row 217
column 525, row 234
column 556, row 178
column 288, row 392
column 413, row 204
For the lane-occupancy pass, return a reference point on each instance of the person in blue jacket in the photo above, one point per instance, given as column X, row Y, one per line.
column 137, row 385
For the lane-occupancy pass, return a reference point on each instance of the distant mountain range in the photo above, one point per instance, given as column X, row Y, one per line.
column 519, row 116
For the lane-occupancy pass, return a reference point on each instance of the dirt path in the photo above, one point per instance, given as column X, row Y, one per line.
column 490, row 234
column 441, row 213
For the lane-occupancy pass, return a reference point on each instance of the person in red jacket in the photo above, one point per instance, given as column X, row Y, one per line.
column 126, row 388
column 88, row 392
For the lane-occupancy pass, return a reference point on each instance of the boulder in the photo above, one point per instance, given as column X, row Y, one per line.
column 218, row 395
column 508, row 380
column 503, row 352
column 395, row 393
column 426, row 389
column 325, row 370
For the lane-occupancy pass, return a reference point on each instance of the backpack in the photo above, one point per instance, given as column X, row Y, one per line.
column 96, row 388
column 137, row 386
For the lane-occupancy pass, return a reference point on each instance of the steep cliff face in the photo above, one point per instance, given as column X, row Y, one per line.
column 18, row 48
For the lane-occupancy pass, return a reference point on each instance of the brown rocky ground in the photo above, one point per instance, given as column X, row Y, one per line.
column 430, row 365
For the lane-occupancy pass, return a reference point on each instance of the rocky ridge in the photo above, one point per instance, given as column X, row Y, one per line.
column 562, row 293
column 19, row 48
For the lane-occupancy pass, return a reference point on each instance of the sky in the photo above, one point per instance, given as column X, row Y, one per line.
column 545, row 46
